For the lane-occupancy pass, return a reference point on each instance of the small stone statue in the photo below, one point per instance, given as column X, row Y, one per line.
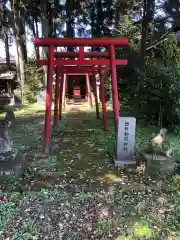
column 12, row 162
column 158, row 158
column 5, row 142
column 158, row 146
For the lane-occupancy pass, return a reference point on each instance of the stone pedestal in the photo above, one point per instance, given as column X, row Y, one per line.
column 11, row 165
column 159, row 164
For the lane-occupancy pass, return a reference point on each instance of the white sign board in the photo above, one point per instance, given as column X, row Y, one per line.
column 125, row 141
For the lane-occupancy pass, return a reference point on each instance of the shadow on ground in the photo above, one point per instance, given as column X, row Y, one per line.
column 81, row 154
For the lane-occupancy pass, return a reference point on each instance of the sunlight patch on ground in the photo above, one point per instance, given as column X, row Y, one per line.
column 112, row 178
column 31, row 109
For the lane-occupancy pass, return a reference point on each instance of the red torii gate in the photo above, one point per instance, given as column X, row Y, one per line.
column 64, row 67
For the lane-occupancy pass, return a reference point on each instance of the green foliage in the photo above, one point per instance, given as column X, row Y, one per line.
column 33, row 81
column 150, row 81
column 152, row 85
column 170, row 51
column 160, row 96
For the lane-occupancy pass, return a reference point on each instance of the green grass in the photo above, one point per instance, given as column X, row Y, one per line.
column 75, row 192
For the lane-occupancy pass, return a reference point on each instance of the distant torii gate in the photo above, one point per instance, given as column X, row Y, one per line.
column 81, row 66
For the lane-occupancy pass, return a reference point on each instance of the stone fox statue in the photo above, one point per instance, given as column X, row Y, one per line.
column 157, row 143
column 157, row 140
column 4, row 130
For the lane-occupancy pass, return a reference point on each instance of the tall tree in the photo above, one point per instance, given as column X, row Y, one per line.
column 70, row 10
column 4, row 27
column 147, row 24
column 20, row 40
column 6, row 43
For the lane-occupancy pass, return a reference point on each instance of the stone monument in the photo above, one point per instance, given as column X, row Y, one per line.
column 125, row 141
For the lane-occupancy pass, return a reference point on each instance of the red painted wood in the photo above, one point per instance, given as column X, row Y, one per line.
column 95, row 96
column 114, row 87
column 61, row 93
column 82, row 70
column 88, row 86
column 80, row 41
column 90, row 72
column 57, row 97
column 78, row 74
column 103, row 100
column 81, row 53
column 47, row 126
column 64, row 91
column 86, row 54
column 83, row 62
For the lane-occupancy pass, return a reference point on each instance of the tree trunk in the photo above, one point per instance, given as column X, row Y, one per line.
column 44, row 33
column 107, row 31
column 93, row 21
column 6, row 43
column 96, row 21
column 50, row 19
column 36, row 28
column 120, row 12
column 99, row 19
column 99, row 22
column 70, row 20
column 146, row 40
column 36, row 34
column 19, row 36
column 20, row 33
column 21, row 68
column 147, row 25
